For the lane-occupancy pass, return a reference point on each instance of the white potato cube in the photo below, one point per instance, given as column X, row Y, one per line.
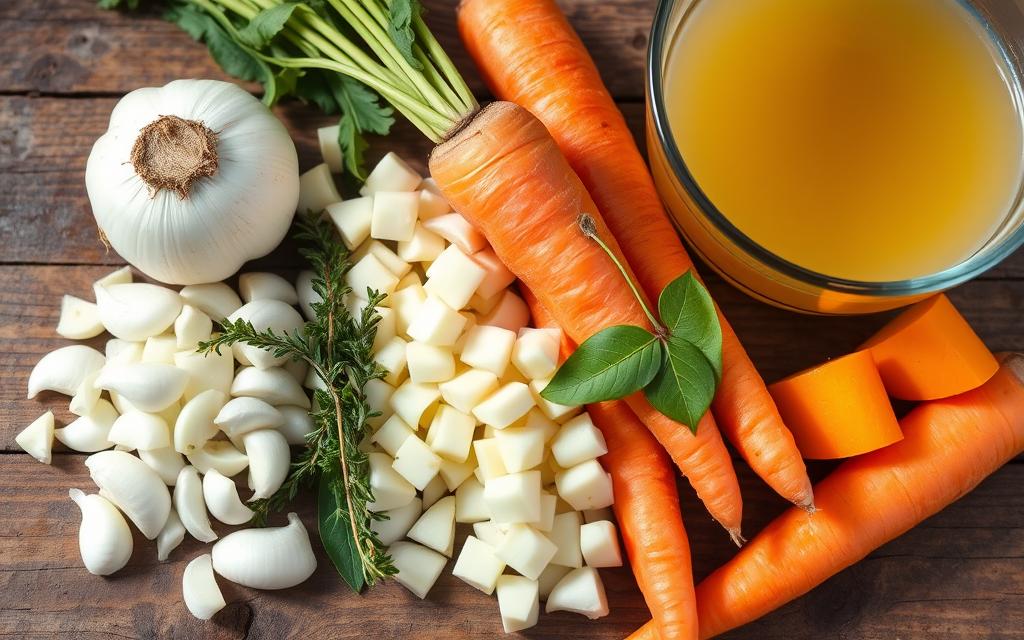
column 424, row 246
column 392, row 435
column 436, row 323
column 434, row 491
column 470, row 505
column 411, row 402
column 490, row 532
column 454, row 277
column 600, row 544
column 386, row 327
column 548, row 504
column 455, row 473
column 432, row 205
column 552, row 410
column 394, row 215
column 484, row 305
column 458, row 231
column 390, row 490
column 580, row 591
column 526, row 550
column 510, row 313
column 514, row 497
column 488, row 348
column 317, row 190
column 478, row 566
column 522, row 447
column 399, row 522
column 488, row 460
column 411, row 279
column 378, row 396
column 565, row 533
column 536, row 353
column 393, row 357
column 330, row 148
column 552, row 575
column 451, row 433
column 578, row 441
column 391, row 174
column 370, row 273
column 415, row 462
column 468, row 389
column 470, row 323
column 596, row 515
column 387, row 257
column 418, row 567
column 518, row 602
column 497, row 277
column 586, row 486
column 352, row 220
column 436, row 527
column 429, row 184
column 505, row 406
column 428, row 363
column 406, row 302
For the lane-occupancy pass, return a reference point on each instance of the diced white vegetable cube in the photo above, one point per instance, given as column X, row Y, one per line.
column 317, row 190
column 488, row 460
column 378, row 396
column 394, row 215
column 330, row 148
column 399, row 522
column 578, row 441
column 488, row 348
column 552, row 575
column 393, row 357
column 432, row 205
column 387, row 257
column 454, row 277
column 412, row 401
column 490, row 532
column 514, row 497
column 468, row 389
column 455, row 473
column 391, row 174
column 458, row 231
column 436, row 323
column 510, row 313
column 418, row 567
column 424, row 246
column 352, row 220
column 451, row 433
column 411, row 279
column 470, row 323
column 518, row 602
column 522, row 447
column 552, row 410
column 469, row 502
column 580, row 591
column 548, row 504
column 596, row 515
column 536, row 353
column 565, row 533
column 585, row 486
column 497, row 277
column 392, row 435
column 505, row 406
column 386, row 327
column 600, row 544
column 415, row 462
column 526, row 550
column 478, row 566
column 436, row 527
column 390, row 490
column 428, row 363
column 434, row 491
column 406, row 302
column 370, row 273
column 484, row 305
column 429, row 184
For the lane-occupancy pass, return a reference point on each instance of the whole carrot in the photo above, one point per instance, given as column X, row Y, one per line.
column 504, row 173
column 646, row 506
column 949, row 446
column 528, row 53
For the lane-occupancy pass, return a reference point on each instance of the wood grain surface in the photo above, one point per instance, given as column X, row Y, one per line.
column 959, row 575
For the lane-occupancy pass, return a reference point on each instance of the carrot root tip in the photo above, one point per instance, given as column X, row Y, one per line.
column 808, row 505
column 736, row 537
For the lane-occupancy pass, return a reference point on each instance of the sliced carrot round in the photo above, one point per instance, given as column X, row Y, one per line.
column 929, row 352
column 838, row 409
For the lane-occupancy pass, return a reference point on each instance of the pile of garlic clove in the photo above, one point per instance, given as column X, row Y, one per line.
column 168, row 428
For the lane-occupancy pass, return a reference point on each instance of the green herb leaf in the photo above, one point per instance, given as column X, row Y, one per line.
column 687, row 311
column 336, row 535
column 283, row 84
column 361, row 112
column 265, row 25
column 225, row 51
column 401, row 14
column 610, row 364
column 685, row 384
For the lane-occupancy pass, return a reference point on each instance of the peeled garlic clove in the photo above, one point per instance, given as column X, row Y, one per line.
column 121, row 276
column 148, row 386
column 296, row 369
column 124, row 351
column 137, row 311
column 64, row 369
column 215, row 299
column 297, row 424
column 220, row 455
column 86, row 396
column 191, row 327
column 138, row 430
column 274, row 386
column 170, row 536
column 269, row 558
column 189, row 504
column 160, row 348
column 221, row 496
column 269, row 459
column 307, row 294
column 90, row 433
column 260, row 285
column 242, row 415
column 194, row 425
column 199, row 588
column 167, row 463
column 206, row 371
column 79, row 319
column 104, row 539
column 263, row 315
column 37, row 438
column 133, row 487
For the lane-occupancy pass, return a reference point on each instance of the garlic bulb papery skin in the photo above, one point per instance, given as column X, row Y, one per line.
column 297, row 424
column 221, row 496
column 167, row 463
column 37, row 438
column 215, row 299
column 269, row 558
column 269, row 459
column 199, row 588
column 242, row 415
column 265, row 314
column 90, row 433
column 235, row 204
column 194, row 426
column 64, row 369
column 137, row 310
column 104, row 539
column 220, row 455
column 133, row 487
column 190, row 506
column 275, row 386
column 148, row 386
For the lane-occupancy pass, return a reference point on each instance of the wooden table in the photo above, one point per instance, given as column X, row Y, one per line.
column 65, row 63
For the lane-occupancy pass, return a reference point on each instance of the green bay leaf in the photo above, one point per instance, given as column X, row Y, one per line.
column 609, row 365
column 687, row 311
column 336, row 535
column 685, row 385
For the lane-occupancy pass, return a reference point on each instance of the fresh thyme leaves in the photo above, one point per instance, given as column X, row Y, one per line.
column 339, row 349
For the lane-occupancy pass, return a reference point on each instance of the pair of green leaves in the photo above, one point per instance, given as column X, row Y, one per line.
column 678, row 369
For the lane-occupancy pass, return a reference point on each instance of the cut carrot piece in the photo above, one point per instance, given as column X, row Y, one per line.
column 929, row 352
column 839, row 409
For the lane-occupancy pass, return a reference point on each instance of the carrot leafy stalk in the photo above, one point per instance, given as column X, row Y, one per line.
column 678, row 365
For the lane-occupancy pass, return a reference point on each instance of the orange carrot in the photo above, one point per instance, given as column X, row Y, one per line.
column 528, row 53
column 646, row 506
column 506, row 175
column 838, row 409
column 949, row 446
column 929, row 351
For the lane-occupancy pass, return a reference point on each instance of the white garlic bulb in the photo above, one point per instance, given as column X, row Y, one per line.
column 193, row 179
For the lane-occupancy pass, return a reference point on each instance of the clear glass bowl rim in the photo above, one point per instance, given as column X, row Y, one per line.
column 983, row 260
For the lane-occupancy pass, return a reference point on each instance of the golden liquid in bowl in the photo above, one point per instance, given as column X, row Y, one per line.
column 871, row 140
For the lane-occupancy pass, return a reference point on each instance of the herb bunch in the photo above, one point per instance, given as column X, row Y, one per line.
column 338, row 347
